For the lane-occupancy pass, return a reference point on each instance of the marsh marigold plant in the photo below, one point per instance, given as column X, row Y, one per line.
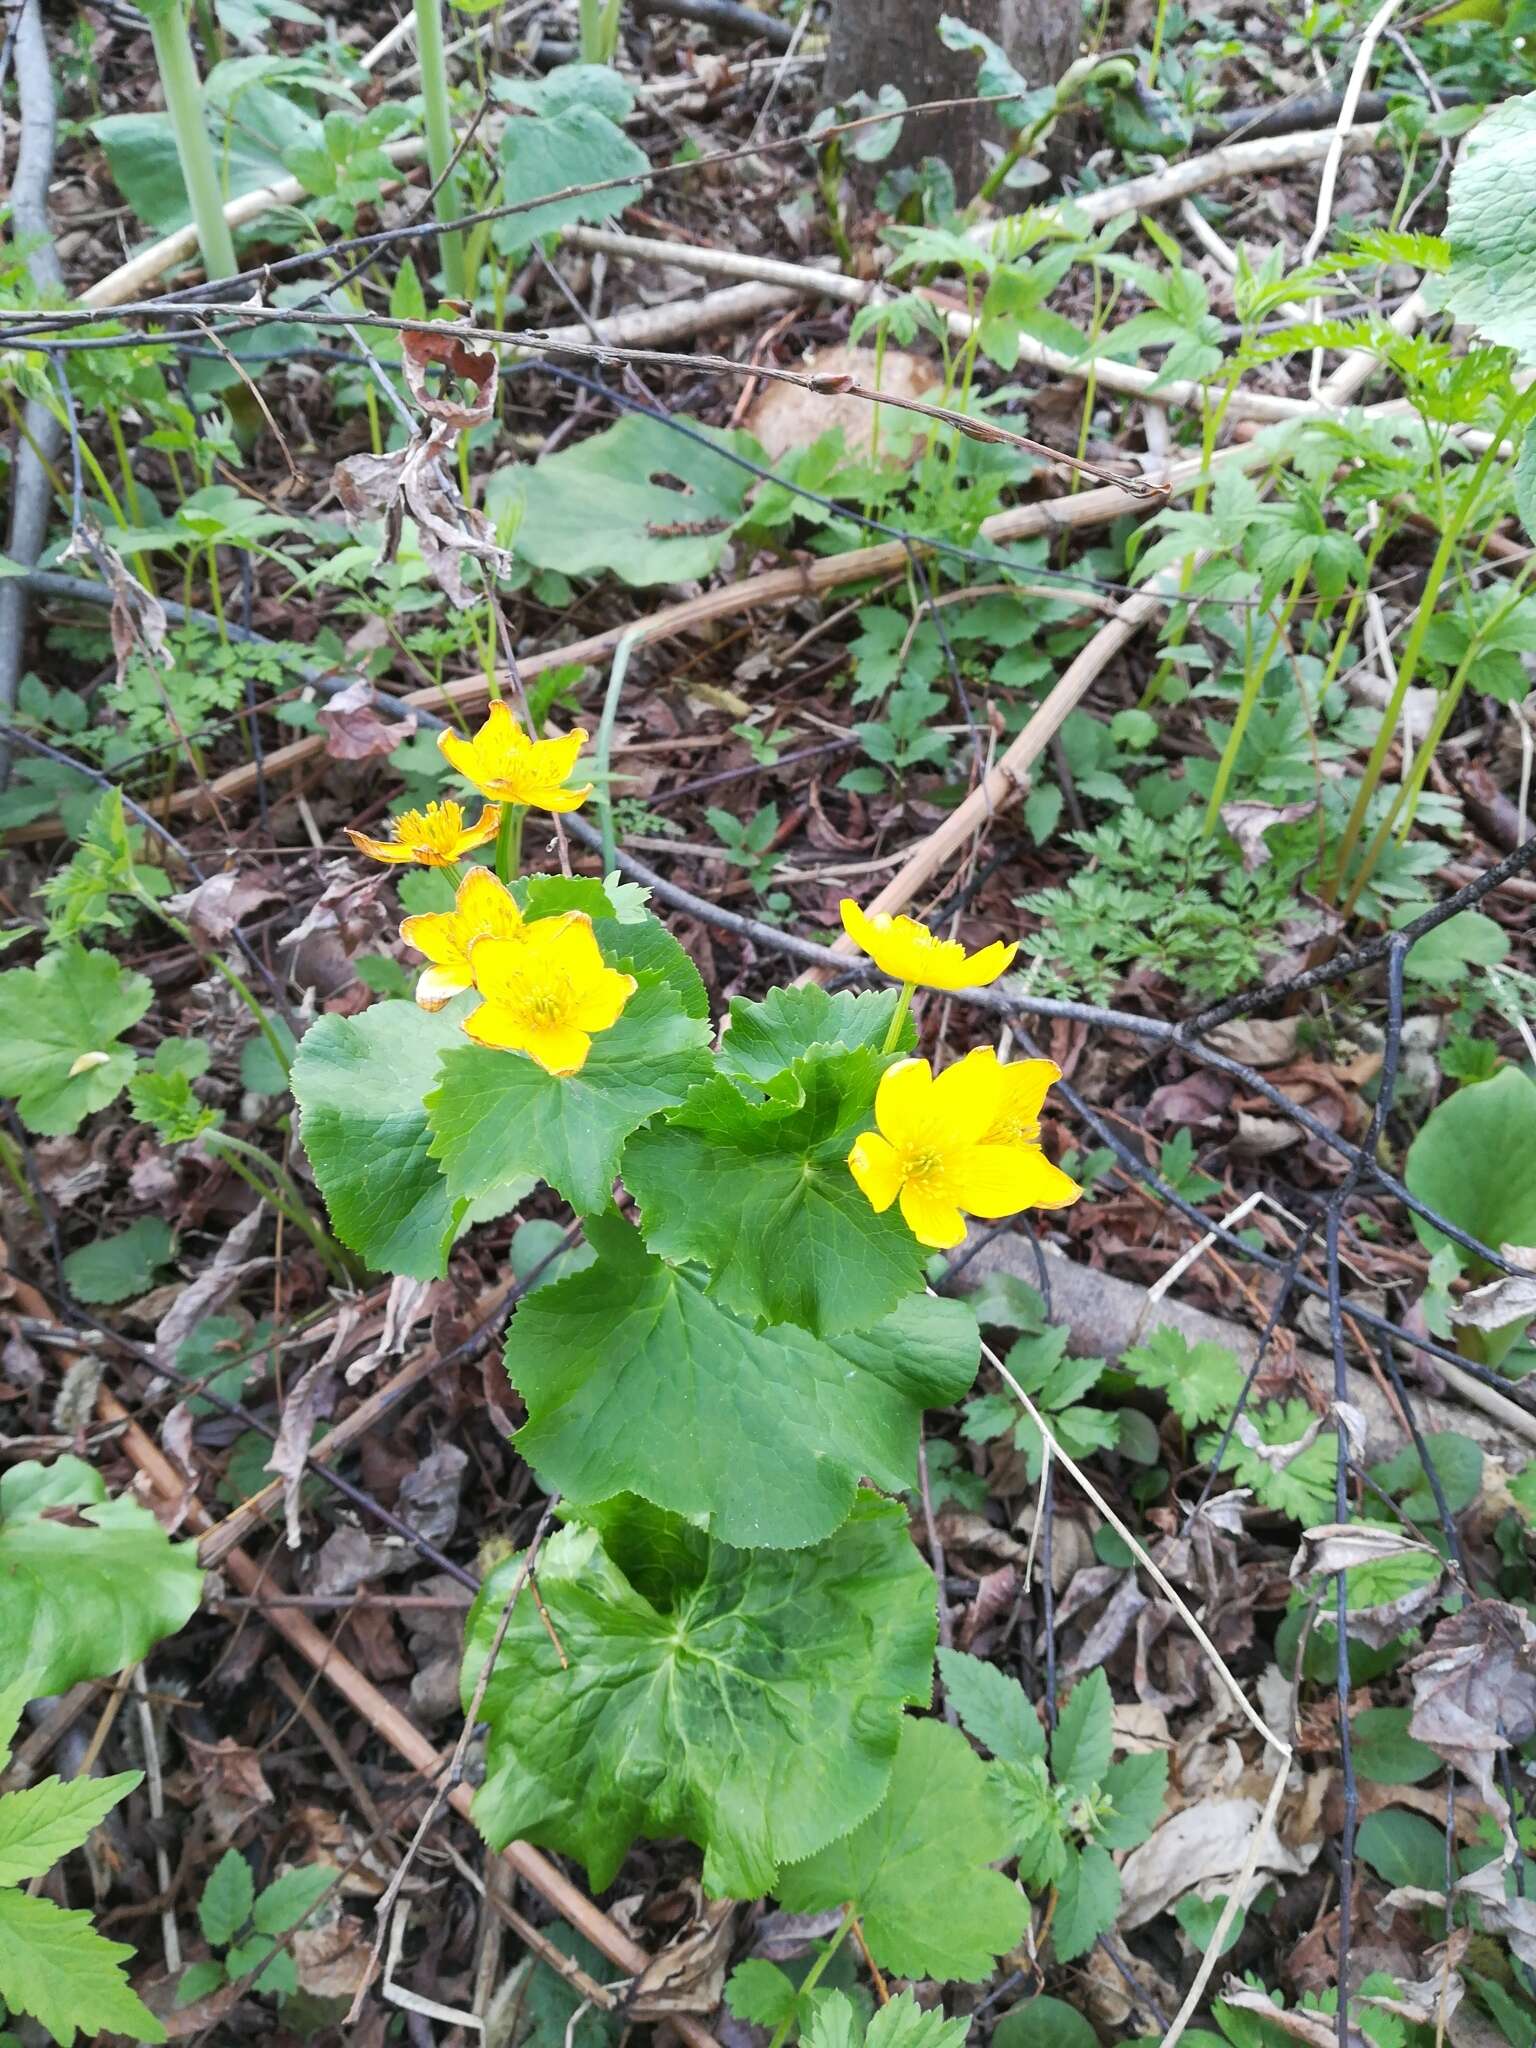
column 728, row 1394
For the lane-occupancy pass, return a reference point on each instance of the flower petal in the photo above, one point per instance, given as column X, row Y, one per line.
column 984, row 967
column 485, row 905
column 999, row 1180
column 481, row 833
column 439, row 985
column 382, row 849
column 932, row 1219
column 557, row 1048
column 968, row 1096
column 499, row 967
column 600, row 1003
column 903, row 1105
column 1025, row 1085
column 876, row 1167
column 434, row 934
column 458, row 752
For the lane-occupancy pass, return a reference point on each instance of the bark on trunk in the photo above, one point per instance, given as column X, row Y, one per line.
column 896, row 42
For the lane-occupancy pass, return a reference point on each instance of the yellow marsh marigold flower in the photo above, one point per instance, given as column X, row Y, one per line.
column 908, row 951
column 437, row 837
column 546, row 992
column 963, row 1141
column 482, row 910
column 505, row 764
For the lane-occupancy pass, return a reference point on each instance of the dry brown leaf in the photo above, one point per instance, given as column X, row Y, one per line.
column 1203, row 1848
column 230, row 1783
column 785, row 417
column 1474, row 1690
column 205, row 1295
column 1509, row 1299
column 356, row 726
column 1258, row 1041
column 1250, row 822
column 213, row 909
column 332, row 1961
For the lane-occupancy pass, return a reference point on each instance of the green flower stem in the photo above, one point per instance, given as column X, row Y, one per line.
column 283, row 1195
column 812, row 1976
column 509, row 844
column 237, row 982
column 1408, row 667
column 184, row 104
column 1253, row 682
column 434, row 90
column 1413, row 787
column 899, row 1016
column 603, row 753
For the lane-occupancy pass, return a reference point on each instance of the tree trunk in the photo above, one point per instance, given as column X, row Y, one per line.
column 896, row 42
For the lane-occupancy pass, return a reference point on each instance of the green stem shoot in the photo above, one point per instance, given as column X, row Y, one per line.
column 439, row 117
column 184, row 104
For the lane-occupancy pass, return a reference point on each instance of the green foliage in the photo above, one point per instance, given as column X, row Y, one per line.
column 1403, row 1848
column 492, row 1117
column 1062, row 1820
column 758, row 1041
column 635, row 499
column 933, row 1836
column 902, row 2023
column 1201, row 1382
column 1158, row 897
column 1384, row 1751
column 749, row 1700
column 759, row 1192
column 1290, row 1467
column 54, row 1966
column 569, row 136
column 248, row 1926
column 60, row 1027
column 359, row 1083
column 1469, row 1162
column 86, row 1594
column 114, row 1268
column 633, row 1379
column 1056, row 1384
column 91, row 892
column 1489, row 284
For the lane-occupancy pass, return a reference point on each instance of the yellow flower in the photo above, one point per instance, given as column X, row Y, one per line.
column 437, row 837
column 482, row 910
column 503, row 763
column 908, row 951
column 965, row 1140
column 546, row 992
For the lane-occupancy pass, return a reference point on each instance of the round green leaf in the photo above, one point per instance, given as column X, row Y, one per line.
column 498, row 1113
column 1492, row 281
column 1471, row 1162
column 359, row 1083
column 748, row 1700
column 83, row 1596
column 760, row 1193
column 760, row 1040
column 59, row 1028
column 637, row 1382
